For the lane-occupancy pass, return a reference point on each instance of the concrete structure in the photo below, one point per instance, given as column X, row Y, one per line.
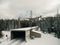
column 36, row 34
column 22, row 33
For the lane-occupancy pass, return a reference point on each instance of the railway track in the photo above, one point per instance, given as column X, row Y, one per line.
column 18, row 42
column 12, row 42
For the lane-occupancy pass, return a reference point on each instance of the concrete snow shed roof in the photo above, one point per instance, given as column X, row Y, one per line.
column 24, row 29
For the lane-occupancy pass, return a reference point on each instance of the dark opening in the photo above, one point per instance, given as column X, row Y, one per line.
column 18, row 35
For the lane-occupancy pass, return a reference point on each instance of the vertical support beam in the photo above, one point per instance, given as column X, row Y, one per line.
column 19, row 25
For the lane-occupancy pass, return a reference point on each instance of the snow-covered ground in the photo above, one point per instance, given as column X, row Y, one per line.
column 4, row 38
column 46, row 39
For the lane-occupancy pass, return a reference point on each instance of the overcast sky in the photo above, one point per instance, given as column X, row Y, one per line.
column 15, row 8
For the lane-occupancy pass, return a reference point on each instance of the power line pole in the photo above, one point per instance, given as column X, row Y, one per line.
column 30, row 23
column 19, row 25
column 31, row 18
column 57, row 20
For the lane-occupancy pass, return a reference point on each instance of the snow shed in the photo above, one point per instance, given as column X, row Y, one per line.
column 22, row 33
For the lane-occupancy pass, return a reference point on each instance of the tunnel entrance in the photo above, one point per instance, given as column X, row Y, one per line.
column 18, row 35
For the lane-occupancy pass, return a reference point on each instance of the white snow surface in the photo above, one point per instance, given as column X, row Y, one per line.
column 46, row 39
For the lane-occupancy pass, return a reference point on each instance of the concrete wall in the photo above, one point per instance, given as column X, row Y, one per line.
column 27, row 36
column 35, row 34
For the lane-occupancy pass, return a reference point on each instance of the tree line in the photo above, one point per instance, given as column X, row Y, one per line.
column 51, row 25
column 13, row 24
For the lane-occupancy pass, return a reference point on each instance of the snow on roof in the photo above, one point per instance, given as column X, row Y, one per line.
column 36, row 31
column 24, row 29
